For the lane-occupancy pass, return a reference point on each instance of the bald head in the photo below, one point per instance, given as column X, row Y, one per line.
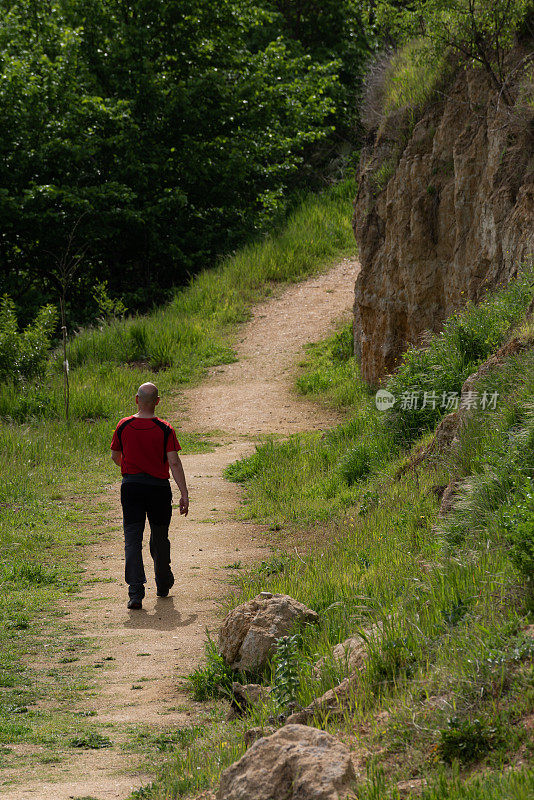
column 147, row 396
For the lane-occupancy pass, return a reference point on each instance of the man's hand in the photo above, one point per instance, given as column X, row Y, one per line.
column 178, row 474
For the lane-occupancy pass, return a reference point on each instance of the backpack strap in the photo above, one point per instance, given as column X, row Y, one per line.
column 166, row 433
column 121, row 428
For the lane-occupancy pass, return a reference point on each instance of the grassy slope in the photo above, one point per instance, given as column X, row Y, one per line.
column 51, row 474
column 446, row 692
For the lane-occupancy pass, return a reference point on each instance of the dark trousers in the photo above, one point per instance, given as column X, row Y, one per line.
column 140, row 501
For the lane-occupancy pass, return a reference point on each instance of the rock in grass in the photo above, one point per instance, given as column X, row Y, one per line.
column 249, row 632
column 295, row 763
column 253, row 734
column 351, row 654
column 245, row 697
column 331, row 702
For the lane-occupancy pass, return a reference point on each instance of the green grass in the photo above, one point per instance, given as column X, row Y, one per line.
column 330, row 373
column 517, row 785
column 468, row 337
column 194, row 769
column 413, row 77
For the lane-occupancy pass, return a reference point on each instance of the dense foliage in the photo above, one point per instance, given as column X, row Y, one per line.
column 150, row 137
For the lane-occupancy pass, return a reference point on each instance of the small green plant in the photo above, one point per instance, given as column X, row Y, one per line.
column 286, row 679
column 390, row 657
column 107, row 308
column 467, row 740
column 342, row 345
column 274, row 566
column 214, row 679
column 85, row 797
column 380, row 177
column 181, row 737
column 31, row 573
column 455, row 612
column 90, row 741
column 142, row 793
column 368, row 501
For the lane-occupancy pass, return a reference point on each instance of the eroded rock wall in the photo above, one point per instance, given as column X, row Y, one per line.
column 443, row 212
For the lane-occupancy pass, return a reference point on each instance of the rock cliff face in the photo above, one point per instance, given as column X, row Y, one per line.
column 443, row 212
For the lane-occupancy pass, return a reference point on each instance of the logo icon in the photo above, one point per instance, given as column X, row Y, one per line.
column 384, row 399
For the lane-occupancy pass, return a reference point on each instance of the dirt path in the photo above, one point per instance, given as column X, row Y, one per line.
column 145, row 654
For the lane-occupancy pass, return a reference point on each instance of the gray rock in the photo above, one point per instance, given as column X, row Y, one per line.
column 295, row 763
column 352, row 653
column 331, row 702
column 249, row 632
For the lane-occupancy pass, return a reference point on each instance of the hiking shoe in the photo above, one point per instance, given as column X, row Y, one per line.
column 135, row 604
column 165, row 592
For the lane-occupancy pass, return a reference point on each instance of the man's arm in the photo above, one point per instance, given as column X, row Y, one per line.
column 116, row 456
column 179, row 476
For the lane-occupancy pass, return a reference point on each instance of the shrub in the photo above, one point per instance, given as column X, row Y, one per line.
column 23, row 354
column 477, row 32
column 467, row 740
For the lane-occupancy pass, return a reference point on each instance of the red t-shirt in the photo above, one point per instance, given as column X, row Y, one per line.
column 144, row 443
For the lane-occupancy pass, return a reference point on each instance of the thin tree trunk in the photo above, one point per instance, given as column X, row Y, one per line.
column 66, row 387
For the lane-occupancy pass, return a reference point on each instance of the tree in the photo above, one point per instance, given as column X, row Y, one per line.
column 172, row 130
column 479, row 31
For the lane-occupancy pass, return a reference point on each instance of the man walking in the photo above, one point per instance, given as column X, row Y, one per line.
column 144, row 447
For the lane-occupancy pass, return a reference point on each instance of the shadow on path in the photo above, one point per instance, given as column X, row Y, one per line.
column 165, row 617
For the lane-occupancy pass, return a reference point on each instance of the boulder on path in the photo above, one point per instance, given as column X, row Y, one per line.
column 249, row 632
column 295, row 763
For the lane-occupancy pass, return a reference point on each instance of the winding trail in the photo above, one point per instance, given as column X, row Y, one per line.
column 144, row 655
